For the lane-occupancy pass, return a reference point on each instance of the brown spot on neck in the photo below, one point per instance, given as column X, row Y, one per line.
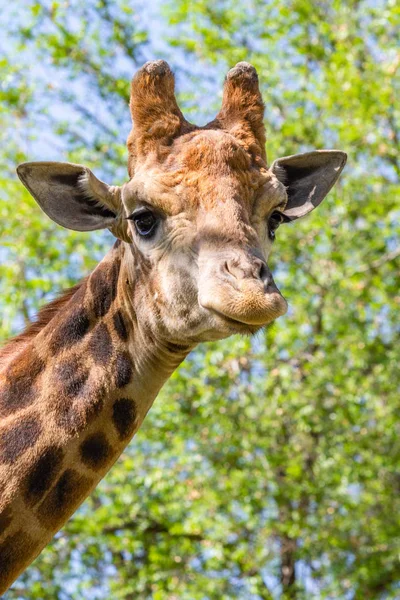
column 15, row 554
column 103, row 284
column 124, row 417
column 63, row 499
column 42, row 474
column 72, row 330
column 95, row 450
column 123, row 369
column 100, row 344
column 19, row 387
column 120, row 325
column 70, row 376
column 18, row 438
column 75, row 416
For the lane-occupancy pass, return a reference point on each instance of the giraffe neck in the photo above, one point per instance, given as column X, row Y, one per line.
column 70, row 401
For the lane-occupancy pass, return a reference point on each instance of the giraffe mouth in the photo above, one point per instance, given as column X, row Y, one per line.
column 235, row 325
column 238, row 287
column 249, row 312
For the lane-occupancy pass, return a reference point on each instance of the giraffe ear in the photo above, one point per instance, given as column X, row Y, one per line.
column 308, row 178
column 71, row 195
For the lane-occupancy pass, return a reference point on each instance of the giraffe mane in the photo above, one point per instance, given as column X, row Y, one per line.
column 43, row 317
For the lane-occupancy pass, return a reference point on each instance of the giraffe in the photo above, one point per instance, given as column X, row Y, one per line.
column 194, row 226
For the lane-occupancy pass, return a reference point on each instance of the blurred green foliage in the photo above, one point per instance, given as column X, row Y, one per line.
column 267, row 468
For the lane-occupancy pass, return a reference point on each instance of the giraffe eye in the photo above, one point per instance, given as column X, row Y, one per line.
column 273, row 223
column 145, row 223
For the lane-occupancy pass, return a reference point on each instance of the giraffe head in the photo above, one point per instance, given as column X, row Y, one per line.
column 199, row 213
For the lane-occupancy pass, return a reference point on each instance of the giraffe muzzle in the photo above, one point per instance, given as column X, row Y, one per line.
column 241, row 289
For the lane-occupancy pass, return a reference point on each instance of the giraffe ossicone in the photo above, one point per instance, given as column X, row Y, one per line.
column 194, row 225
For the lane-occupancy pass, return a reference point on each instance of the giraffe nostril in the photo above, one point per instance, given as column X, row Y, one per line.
column 234, row 269
column 265, row 275
column 263, row 271
column 255, row 268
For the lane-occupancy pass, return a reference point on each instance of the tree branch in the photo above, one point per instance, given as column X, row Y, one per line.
column 154, row 528
column 379, row 262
